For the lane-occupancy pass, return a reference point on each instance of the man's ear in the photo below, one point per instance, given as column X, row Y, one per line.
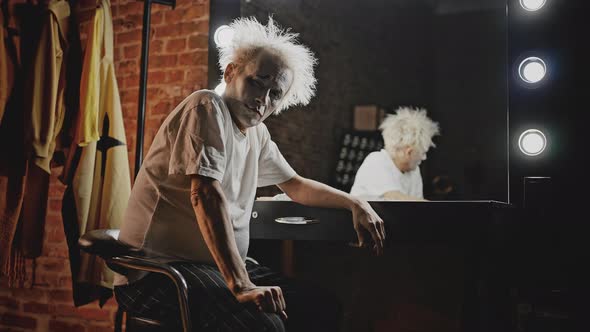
column 409, row 150
column 230, row 72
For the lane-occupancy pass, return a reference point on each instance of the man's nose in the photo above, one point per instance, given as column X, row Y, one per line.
column 263, row 99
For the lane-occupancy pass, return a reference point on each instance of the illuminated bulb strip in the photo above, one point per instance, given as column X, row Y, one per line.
column 532, row 70
column 532, row 5
column 532, row 142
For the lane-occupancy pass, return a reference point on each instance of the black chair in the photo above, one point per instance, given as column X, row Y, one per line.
column 121, row 258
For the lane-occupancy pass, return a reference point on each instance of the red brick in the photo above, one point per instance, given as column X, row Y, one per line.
column 198, row 42
column 163, row 107
column 128, row 37
column 111, row 303
column 197, row 74
column 53, row 220
column 156, row 77
column 56, row 189
column 15, row 320
column 174, row 76
column 54, row 235
column 167, row 30
column 194, row 58
column 96, row 326
column 130, row 96
column 54, row 204
column 194, row 2
column 130, row 81
column 65, row 282
column 46, row 279
column 61, row 296
column 134, row 21
column 188, row 28
column 55, row 250
column 154, row 123
column 162, row 61
column 59, row 325
column 9, row 303
column 156, row 93
column 156, row 46
column 176, row 45
column 94, row 313
column 31, row 294
column 127, row 67
column 37, row 308
column 52, row 264
column 131, row 8
column 131, row 52
column 191, row 13
column 157, row 17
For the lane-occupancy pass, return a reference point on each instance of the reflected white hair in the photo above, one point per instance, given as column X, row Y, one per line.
column 251, row 37
column 408, row 127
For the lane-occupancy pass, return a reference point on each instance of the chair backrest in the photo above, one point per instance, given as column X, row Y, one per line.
column 105, row 244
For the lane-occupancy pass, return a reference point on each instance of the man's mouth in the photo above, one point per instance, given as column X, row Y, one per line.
column 254, row 109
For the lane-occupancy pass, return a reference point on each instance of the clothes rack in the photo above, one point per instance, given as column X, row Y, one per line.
column 145, row 45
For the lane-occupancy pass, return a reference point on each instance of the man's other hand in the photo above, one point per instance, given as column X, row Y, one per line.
column 268, row 299
column 366, row 220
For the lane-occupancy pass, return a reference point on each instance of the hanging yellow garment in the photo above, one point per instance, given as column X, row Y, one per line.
column 45, row 92
column 101, row 182
column 88, row 124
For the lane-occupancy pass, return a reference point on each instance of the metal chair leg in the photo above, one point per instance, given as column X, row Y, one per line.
column 119, row 320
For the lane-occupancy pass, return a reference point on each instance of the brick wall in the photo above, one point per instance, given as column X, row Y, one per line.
column 177, row 66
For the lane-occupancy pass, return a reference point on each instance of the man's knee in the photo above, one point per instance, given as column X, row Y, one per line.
column 271, row 322
column 261, row 321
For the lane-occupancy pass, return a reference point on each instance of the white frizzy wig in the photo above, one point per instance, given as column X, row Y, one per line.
column 250, row 37
column 408, row 127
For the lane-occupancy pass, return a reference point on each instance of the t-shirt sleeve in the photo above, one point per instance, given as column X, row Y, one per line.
column 198, row 144
column 272, row 166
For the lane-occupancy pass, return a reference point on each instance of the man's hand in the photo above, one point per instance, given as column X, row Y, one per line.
column 268, row 299
column 366, row 220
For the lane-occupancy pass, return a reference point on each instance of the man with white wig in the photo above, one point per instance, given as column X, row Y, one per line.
column 194, row 193
column 394, row 172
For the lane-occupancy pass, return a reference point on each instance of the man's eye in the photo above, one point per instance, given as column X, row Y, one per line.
column 275, row 93
column 256, row 83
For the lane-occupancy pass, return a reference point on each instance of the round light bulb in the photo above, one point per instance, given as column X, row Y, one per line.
column 220, row 88
column 223, row 35
column 532, row 5
column 532, row 142
column 532, row 70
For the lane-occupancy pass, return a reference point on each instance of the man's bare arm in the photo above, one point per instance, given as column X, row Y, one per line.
column 313, row 193
column 398, row 196
column 210, row 206
column 211, row 210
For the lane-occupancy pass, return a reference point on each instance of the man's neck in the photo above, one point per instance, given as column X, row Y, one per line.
column 237, row 123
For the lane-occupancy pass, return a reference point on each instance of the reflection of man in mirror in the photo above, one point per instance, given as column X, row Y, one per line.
column 194, row 194
column 393, row 173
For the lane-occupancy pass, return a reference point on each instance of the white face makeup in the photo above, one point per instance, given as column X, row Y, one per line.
column 415, row 158
column 408, row 158
column 255, row 91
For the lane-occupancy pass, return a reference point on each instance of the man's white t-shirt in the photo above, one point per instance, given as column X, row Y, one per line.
column 198, row 137
column 378, row 174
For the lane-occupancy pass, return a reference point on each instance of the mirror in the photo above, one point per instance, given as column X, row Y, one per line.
column 447, row 56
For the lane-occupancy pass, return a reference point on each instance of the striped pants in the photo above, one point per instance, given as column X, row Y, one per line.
column 214, row 308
